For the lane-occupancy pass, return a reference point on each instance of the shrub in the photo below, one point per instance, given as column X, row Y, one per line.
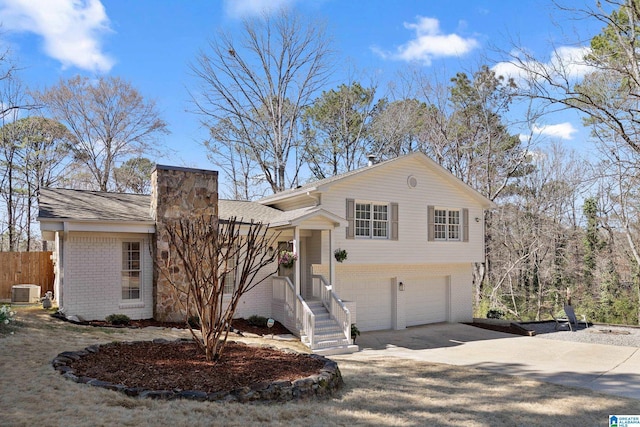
column 495, row 314
column 6, row 315
column 256, row 320
column 354, row 331
column 194, row 322
column 118, row 319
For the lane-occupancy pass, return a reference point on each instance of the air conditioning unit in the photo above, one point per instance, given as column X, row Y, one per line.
column 25, row 294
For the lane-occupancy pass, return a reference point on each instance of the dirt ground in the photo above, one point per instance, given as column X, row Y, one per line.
column 377, row 392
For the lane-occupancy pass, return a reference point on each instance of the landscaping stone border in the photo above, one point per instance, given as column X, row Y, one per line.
column 322, row 385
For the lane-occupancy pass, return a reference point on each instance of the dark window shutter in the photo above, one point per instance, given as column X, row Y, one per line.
column 430, row 223
column 351, row 224
column 465, row 225
column 394, row 221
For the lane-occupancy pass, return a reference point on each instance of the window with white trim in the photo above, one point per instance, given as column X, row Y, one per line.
column 131, row 270
column 446, row 224
column 372, row 220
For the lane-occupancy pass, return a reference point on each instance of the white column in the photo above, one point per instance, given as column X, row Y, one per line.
column 296, row 250
column 332, row 261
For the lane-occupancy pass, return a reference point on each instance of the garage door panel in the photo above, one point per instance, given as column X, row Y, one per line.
column 426, row 300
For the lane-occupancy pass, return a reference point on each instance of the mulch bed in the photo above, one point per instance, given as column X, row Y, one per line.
column 182, row 366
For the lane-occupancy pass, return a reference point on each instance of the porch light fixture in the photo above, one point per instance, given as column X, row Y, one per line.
column 401, row 286
column 477, row 219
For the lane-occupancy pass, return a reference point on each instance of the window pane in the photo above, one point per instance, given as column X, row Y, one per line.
column 363, row 220
column 131, row 270
column 229, row 279
column 454, row 225
column 440, row 224
column 380, row 220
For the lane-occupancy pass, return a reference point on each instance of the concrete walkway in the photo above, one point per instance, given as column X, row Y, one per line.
column 605, row 368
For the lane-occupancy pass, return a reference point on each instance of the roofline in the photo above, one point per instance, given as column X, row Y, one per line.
column 97, row 221
column 184, row 169
column 487, row 204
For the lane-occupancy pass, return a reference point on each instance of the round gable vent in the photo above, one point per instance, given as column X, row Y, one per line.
column 412, row 181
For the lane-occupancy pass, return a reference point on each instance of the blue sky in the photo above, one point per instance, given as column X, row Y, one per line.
column 152, row 42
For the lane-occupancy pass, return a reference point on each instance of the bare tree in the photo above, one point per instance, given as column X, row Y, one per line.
column 12, row 95
column 533, row 231
column 336, row 127
column 134, row 176
column 217, row 259
column 258, row 88
column 109, row 120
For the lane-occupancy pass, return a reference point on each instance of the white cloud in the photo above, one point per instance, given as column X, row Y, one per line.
column 565, row 61
column 561, row 130
column 71, row 29
column 429, row 43
column 247, row 8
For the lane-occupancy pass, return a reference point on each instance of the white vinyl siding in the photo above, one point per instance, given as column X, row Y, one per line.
column 407, row 242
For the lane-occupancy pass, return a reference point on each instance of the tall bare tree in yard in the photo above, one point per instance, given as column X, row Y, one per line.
column 109, row 120
column 42, row 151
column 533, row 230
column 257, row 88
column 219, row 258
column 601, row 82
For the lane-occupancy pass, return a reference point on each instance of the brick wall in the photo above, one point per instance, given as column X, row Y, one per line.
column 93, row 277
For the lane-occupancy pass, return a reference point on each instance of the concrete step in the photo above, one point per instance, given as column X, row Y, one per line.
column 342, row 349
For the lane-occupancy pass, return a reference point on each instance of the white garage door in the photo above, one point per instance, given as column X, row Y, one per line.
column 426, row 300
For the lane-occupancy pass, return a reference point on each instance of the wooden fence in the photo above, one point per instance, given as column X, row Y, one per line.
column 25, row 268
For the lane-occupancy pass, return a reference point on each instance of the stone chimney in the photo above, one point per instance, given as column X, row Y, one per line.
column 176, row 193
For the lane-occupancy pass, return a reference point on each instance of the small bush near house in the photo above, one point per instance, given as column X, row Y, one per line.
column 118, row 319
column 354, row 332
column 194, row 322
column 6, row 317
column 256, row 320
column 495, row 314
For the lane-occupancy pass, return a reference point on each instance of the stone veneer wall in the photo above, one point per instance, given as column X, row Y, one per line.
column 177, row 193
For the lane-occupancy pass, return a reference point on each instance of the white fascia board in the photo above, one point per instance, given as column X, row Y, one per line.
column 330, row 217
column 145, row 227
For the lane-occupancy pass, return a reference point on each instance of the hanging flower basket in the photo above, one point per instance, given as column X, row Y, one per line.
column 287, row 259
column 340, row 254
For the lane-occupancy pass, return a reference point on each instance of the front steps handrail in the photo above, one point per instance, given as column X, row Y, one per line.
column 333, row 304
column 297, row 315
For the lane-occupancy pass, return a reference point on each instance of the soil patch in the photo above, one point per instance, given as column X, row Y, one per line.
column 182, row 366
column 241, row 325
column 511, row 328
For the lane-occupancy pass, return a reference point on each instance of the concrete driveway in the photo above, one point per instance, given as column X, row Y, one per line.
column 605, row 368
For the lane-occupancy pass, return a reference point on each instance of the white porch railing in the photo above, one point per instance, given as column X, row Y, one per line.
column 291, row 310
column 321, row 289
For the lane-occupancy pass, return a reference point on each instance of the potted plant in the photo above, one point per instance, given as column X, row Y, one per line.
column 340, row 254
column 354, row 332
column 287, row 259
